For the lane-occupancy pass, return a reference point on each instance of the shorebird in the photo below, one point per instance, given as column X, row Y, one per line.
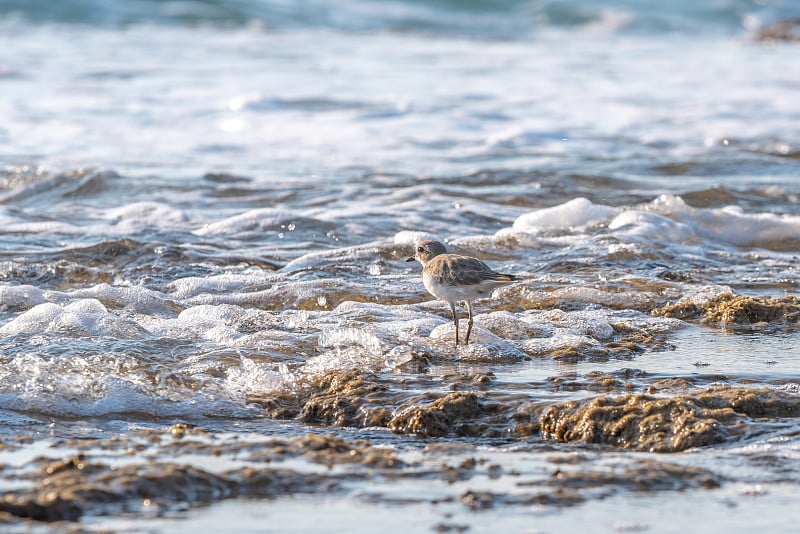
column 455, row 278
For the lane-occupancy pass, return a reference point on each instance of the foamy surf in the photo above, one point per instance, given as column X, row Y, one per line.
column 205, row 312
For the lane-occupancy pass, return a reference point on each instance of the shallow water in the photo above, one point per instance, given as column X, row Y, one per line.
column 205, row 210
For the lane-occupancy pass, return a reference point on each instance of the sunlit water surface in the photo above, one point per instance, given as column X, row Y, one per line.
column 202, row 209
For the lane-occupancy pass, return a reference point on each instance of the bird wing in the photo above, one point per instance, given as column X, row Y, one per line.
column 453, row 269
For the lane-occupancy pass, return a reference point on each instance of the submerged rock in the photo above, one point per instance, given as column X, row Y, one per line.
column 664, row 424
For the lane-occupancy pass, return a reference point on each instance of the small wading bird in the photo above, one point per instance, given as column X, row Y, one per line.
column 455, row 278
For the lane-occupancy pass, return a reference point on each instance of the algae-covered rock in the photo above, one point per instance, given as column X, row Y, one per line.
column 71, row 488
column 733, row 309
column 636, row 421
column 641, row 475
column 784, row 30
column 748, row 310
column 335, row 398
column 664, row 424
column 447, row 415
column 682, row 310
column 334, row 450
column 74, row 487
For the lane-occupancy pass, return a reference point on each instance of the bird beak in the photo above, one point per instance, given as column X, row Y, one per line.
column 412, row 258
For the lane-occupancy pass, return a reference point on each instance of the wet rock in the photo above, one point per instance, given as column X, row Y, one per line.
column 782, row 31
column 337, row 398
column 664, row 424
column 452, row 414
column 269, row 483
column 482, row 500
column 73, row 488
column 754, row 403
column 629, row 341
column 643, row 475
column 332, row 450
column 732, row 309
column 469, row 380
column 478, row 500
column 683, row 311
column 68, row 489
column 341, row 400
column 749, row 310
column 356, row 399
column 449, row 527
column 635, row 421
column 671, row 385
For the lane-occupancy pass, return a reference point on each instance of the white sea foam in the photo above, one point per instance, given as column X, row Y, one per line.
column 732, row 225
column 321, row 257
column 146, row 214
column 216, row 323
column 668, row 218
column 136, row 298
column 648, row 225
column 411, row 238
column 21, row 297
column 577, row 213
column 36, row 320
column 347, row 348
column 99, row 385
column 484, row 344
column 253, row 378
column 729, row 224
column 249, row 221
column 185, row 288
column 79, row 317
column 702, row 296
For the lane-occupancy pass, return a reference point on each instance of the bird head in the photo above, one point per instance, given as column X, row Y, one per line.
column 426, row 251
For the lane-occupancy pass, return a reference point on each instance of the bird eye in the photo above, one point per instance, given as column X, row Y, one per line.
column 420, row 249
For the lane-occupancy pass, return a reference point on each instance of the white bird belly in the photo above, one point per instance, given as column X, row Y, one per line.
column 455, row 293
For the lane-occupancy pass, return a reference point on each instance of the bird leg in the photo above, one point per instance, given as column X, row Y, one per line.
column 455, row 319
column 469, row 324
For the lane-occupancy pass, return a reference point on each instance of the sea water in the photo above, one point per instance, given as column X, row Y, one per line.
column 207, row 204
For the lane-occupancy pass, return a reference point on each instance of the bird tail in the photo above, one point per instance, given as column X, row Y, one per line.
column 501, row 277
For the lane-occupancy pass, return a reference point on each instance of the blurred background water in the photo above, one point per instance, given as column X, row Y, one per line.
column 203, row 201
